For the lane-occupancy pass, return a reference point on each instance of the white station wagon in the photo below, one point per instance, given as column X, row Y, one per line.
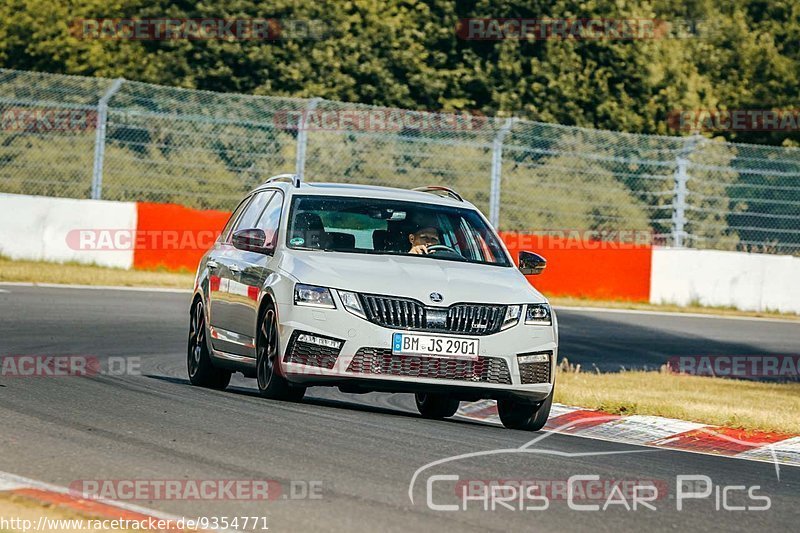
column 373, row 289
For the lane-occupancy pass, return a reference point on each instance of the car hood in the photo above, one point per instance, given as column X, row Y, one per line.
column 411, row 277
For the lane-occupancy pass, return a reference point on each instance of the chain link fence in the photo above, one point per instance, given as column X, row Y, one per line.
column 84, row 137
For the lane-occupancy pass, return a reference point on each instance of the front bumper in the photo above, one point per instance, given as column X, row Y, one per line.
column 365, row 363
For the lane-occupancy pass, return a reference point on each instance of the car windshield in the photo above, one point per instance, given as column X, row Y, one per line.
column 380, row 226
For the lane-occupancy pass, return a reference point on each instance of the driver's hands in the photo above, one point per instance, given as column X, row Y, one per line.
column 420, row 249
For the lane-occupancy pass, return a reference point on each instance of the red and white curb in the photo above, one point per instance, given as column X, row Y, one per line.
column 62, row 497
column 659, row 432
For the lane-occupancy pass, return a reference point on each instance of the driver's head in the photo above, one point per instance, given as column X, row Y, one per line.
column 427, row 235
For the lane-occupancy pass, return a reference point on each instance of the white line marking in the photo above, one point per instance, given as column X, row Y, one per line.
column 92, row 287
column 673, row 314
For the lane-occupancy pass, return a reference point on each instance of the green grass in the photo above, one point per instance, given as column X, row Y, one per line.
column 749, row 405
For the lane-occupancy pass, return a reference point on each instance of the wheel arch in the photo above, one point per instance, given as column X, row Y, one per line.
column 268, row 298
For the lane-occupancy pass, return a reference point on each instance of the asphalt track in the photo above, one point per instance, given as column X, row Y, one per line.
column 362, row 450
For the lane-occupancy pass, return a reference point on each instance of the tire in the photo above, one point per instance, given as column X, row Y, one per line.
column 435, row 406
column 202, row 372
column 526, row 416
column 270, row 383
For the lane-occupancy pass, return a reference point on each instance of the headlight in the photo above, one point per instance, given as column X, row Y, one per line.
column 512, row 316
column 352, row 303
column 538, row 314
column 313, row 296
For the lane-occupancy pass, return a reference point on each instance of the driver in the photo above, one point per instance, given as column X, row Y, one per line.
column 424, row 236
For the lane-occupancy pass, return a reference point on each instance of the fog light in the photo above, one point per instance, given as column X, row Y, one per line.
column 319, row 341
column 533, row 358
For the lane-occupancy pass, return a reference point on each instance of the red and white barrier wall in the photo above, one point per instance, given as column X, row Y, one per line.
column 148, row 235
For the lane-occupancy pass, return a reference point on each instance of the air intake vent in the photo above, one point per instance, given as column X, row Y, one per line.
column 381, row 361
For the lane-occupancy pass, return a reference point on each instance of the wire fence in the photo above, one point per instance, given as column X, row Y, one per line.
column 84, row 137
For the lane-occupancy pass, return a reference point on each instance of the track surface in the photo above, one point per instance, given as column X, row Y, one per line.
column 363, row 449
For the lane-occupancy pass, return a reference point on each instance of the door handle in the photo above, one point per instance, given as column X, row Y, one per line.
column 211, row 264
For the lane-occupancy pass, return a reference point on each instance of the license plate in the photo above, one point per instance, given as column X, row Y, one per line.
column 434, row 345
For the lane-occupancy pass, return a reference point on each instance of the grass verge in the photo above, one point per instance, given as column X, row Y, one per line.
column 715, row 401
column 78, row 274
column 566, row 301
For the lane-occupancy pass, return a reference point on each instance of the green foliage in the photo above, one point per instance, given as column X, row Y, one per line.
column 405, row 53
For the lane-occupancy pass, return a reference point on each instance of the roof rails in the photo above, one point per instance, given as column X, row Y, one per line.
column 441, row 191
column 294, row 179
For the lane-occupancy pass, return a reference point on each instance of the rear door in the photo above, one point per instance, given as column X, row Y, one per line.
column 217, row 269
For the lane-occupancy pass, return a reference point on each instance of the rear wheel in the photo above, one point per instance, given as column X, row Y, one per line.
column 202, row 371
column 515, row 414
column 436, row 406
column 270, row 383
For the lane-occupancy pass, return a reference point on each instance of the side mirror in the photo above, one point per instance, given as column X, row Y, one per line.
column 252, row 240
column 531, row 264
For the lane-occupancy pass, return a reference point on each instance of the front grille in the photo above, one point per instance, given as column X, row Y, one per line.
column 394, row 312
column 306, row 353
column 382, row 361
column 403, row 313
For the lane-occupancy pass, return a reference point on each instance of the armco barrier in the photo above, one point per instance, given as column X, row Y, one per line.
column 755, row 282
column 39, row 228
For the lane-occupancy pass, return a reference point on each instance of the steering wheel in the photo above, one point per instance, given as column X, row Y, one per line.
column 444, row 248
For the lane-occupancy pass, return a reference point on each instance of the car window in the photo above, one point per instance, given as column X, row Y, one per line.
column 383, row 226
column 226, row 231
column 253, row 211
column 270, row 218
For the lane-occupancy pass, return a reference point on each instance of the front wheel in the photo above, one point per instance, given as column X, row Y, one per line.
column 270, row 383
column 435, row 406
column 515, row 414
column 202, row 372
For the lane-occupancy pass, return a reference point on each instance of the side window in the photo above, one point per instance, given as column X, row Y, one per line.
column 253, row 212
column 271, row 217
column 223, row 237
